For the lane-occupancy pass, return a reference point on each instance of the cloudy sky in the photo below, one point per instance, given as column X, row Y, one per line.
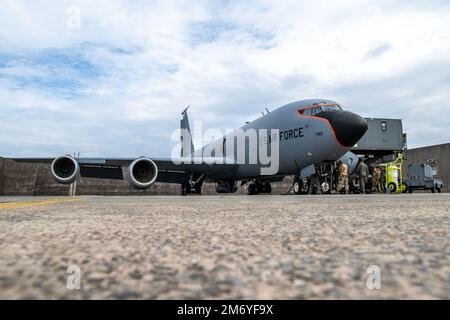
column 106, row 77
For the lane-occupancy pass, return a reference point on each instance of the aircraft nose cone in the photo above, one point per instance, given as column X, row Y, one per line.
column 349, row 127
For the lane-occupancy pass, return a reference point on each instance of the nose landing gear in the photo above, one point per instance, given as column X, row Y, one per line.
column 298, row 187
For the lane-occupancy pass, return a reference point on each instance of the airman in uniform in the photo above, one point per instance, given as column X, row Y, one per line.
column 343, row 177
column 376, row 180
column 363, row 173
column 383, row 179
column 315, row 182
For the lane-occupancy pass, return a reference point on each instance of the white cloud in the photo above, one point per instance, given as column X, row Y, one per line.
column 131, row 68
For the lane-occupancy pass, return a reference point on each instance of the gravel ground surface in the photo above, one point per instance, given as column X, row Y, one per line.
column 231, row 247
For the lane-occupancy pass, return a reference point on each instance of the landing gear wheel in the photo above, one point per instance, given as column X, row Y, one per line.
column 252, row 189
column 297, row 187
column 325, row 187
column 265, row 188
column 306, row 187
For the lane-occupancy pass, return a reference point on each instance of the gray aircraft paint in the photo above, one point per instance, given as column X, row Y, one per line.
column 318, row 144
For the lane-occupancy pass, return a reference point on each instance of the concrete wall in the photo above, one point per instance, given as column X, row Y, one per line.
column 1, row 180
column 439, row 152
column 35, row 179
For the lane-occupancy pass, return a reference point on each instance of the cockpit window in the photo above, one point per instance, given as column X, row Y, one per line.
column 316, row 110
column 331, row 107
column 312, row 111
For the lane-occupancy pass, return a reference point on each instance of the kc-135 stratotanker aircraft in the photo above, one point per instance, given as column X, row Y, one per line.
column 305, row 133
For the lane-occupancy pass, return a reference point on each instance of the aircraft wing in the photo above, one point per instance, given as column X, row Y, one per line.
column 168, row 170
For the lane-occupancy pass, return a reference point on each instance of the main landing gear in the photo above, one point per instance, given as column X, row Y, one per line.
column 193, row 185
column 257, row 187
column 186, row 189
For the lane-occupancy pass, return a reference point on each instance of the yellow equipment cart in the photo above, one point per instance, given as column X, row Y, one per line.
column 394, row 175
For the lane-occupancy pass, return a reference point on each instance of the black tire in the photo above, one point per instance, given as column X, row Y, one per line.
column 267, row 188
column 404, row 188
column 392, row 187
column 297, row 187
column 439, row 190
column 306, row 187
column 252, row 189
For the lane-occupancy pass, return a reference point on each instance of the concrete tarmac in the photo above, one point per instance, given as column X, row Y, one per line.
column 226, row 247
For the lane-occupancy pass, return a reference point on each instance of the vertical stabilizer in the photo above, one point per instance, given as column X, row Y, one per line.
column 187, row 145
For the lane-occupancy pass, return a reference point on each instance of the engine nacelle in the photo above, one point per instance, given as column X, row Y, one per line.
column 65, row 169
column 142, row 173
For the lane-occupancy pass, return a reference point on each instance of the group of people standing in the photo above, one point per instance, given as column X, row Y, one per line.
column 362, row 173
column 342, row 178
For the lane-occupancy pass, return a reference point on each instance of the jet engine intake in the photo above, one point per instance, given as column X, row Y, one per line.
column 142, row 173
column 65, row 169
